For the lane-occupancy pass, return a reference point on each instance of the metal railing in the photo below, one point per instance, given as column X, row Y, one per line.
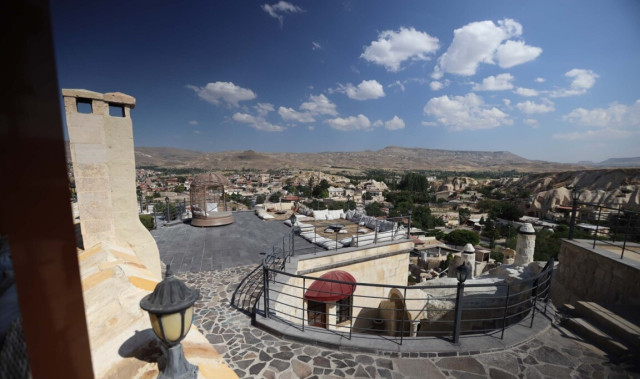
column 406, row 311
column 170, row 211
column 608, row 225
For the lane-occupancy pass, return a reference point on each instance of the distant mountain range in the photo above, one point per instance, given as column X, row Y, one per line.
column 614, row 162
column 390, row 158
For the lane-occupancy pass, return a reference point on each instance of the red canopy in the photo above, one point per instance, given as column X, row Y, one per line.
column 322, row 290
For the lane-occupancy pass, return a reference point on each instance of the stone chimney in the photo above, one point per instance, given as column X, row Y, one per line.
column 101, row 143
column 526, row 245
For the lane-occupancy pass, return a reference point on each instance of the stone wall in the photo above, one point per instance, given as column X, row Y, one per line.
column 595, row 275
column 104, row 169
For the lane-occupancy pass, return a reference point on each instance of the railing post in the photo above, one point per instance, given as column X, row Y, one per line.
column 572, row 222
column 504, row 313
column 304, row 286
column 595, row 236
column 336, row 239
column 458, row 320
column 535, row 300
column 265, row 290
column 404, row 311
column 375, row 237
column 626, row 231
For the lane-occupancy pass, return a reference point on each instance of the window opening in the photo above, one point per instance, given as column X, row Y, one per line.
column 116, row 110
column 343, row 309
column 84, row 106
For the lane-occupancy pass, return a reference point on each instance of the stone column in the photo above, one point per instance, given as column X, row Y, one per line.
column 469, row 258
column 414, row 327
column 526, row 245
column 104, row 168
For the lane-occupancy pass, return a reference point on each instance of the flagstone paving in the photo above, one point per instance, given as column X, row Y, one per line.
column 253, row 353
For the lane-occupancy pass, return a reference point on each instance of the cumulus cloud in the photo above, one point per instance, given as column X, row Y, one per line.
column 506, row 102
column 193, row 122
column 495, row 83
column 315, row 46
column 530, row 107
column 527, row 92
column 394, row 124
column 540, row 80
column 532, row 122
column 360, row 122
column 437, row 85
column 513, row 53
column 378, row 123
column 228, row 92
column 482, row 42
column 467, row 112
column 258, row 123
column 366, row 90
column 279, row 9
column 319, row 105
column 616, row 115
column 395, row 47
column 290, row 114
column 581, row 81
column 264, row 108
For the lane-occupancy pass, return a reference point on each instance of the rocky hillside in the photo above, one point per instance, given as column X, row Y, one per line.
column 391, row 158
column 605, row 186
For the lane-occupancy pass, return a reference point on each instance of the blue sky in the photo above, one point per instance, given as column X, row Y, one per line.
column 549, row 80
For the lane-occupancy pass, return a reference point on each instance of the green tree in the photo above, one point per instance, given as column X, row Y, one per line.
column 461, row 237
column 275, row 197
column 463, row 215
column 491, row 232
column 414, row 182
column 374, row 209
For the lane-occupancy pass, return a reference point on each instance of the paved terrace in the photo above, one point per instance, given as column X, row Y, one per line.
column 215, row 260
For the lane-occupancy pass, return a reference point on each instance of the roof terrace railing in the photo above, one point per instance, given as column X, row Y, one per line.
column 608, row 225
column 413, row 312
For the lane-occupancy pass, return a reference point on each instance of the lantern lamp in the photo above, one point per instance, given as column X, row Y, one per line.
column 170, row 308
column 462, row 272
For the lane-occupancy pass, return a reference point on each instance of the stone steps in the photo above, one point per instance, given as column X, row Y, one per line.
column 609, row 330
column 592, row 333
column 613, row 322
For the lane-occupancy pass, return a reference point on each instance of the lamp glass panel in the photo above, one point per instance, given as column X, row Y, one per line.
column 155, row 324
column 188, row 317
column 172, row 324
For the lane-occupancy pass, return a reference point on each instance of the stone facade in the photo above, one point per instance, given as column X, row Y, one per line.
column 595, row 275
column 104, row 169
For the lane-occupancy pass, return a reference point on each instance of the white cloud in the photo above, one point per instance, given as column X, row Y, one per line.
column 532, row 122
column 530, row 107
column 482, row 42
column 616, row 115
column 598, row 135
column 193, row 122
column 311, row 127
column 394, row 124
column 467, row 112
column 366, row 90
column 258, row 123
column 398, row 84
column 319, row 104
column 378, row 124
column 581, row 81
column 315, row 46
column 527, row 92
column 290, row 114
column 196, row 132
column 495, row 83
column 264, row 108
column 395, row 47
column 436, row 85
column 279, row 9
column 360, row 122
column 506, row 102
column 540, row 80
column 513, row 53
column 223, row 91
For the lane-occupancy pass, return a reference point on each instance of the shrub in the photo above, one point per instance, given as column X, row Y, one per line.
column 147, row 221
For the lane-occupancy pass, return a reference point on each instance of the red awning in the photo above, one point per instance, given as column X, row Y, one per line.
column 322, row 290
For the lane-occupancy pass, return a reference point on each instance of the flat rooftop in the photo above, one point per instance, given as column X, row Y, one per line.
column 193, row 249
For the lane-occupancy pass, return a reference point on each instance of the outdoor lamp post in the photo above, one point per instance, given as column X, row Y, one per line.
column 348, row 199
column 409, row 230
column 575, row 195
column 170, row 308
column 462, row 273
